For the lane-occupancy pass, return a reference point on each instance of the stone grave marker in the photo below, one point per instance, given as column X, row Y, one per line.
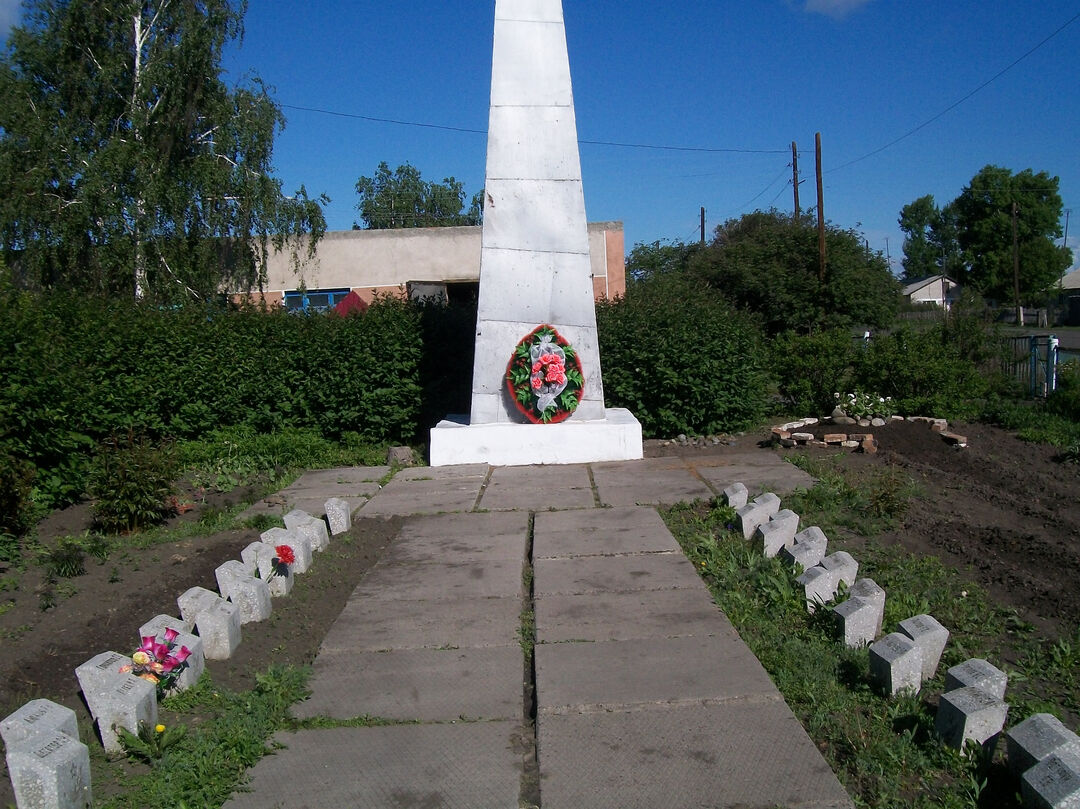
column 868, row 590
column 807, row 549
column 779, row 532
column 196, row 661
column 216, row 620
column 896, row 664
column 931, row 637
column 311, row 527
column 970, row 713
column 339, row 515
column 819, row 586
column 736, row 495
column 300, row 544
column 258, row 557
column 843, row 566
column 250, row 595
column 859, row 622
column 979, row 673
column 51, row 771
column 116, row 699
column 756, row 512
column 37, row 717
column 1053, row 783
column 1037, row 737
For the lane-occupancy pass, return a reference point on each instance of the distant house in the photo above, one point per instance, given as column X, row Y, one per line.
column 1071, row 281
column 936, row 289
column 434, row 263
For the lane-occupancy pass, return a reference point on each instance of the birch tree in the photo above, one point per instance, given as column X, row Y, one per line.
column 132, row 167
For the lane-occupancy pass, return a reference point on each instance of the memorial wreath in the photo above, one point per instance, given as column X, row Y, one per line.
column 544, row 377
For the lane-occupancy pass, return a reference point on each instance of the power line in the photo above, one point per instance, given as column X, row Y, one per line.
column 957, row 103
column 466, row 130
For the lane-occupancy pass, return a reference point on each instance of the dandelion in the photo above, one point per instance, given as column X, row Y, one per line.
column 159, row 728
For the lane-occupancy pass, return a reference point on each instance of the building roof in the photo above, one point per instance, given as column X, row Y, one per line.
column 1071, row 280
column 919, row 283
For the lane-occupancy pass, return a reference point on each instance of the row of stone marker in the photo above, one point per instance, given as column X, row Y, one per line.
column 1042, row 752
column 49, row 765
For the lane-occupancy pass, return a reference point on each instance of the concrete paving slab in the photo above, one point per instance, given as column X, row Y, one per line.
column 600, row 532
column 600, row 574
column 458, row 766
column 404, row 497
column 357, row 478
column 538, row 488
column 760, row 472
column 572, row 677
column 426, row 684
column 459, row 472
column 442, row 581
column 376, row 624
column 461, row 537
column 750, row 755
column 483, row 523
column 651, row 481
column 626, row 616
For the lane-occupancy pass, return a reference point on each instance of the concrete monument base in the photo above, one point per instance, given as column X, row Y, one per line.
column 615, row 438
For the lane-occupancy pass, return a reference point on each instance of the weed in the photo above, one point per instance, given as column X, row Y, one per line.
column 150, row 743
column 9, row 583
column 263, row 522
column 65, row 561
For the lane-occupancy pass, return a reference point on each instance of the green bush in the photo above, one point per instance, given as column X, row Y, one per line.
column 812, row 368
column 79, row 370
column 132, row 481
column 922, row 372
column 1065, row 400
column 16, row 506
column 681, row 359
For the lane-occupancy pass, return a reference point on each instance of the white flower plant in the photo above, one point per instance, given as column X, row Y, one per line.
column 859, row 405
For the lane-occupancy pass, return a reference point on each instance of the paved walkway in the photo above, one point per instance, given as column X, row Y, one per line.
column 641, row 692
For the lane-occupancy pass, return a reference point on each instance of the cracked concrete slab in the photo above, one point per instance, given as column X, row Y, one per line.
column 739, row 755
column 600, row 532
column 627, row 616
column 453, row 765
column 538, row 488
column 651, row 481
column 442, row 581
column 599, row 574
column 423, row 684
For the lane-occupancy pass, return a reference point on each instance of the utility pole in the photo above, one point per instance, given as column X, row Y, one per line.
column 795, row 180
column 820, row 211
column 702, row 225
column 1016, row 268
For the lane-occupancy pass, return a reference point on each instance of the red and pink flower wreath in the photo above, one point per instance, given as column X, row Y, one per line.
column 544, row 377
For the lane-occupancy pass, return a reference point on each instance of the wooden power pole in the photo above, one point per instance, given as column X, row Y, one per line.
column 795, row 176
column 703, row 225
column 1016, row 268
column 820, row 211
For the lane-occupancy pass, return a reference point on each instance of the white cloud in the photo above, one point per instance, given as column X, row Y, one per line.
column 834, row 8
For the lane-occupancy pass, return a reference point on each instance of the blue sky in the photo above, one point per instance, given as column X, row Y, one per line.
column 710, row 74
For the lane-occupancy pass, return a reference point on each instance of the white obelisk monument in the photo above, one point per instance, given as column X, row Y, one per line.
column 534, row 268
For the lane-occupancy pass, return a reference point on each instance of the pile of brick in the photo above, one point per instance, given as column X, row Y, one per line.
column 796, row 433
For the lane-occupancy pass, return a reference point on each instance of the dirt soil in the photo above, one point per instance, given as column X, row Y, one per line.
column 1006, row 511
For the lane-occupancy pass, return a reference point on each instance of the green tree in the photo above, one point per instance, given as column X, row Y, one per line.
column 984, row 216
column 930, row 241
column 128, row 164
column 767, row 262
column 658, row 258
column 403, row 199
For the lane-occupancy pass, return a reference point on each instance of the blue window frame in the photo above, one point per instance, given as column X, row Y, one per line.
column 313, row 300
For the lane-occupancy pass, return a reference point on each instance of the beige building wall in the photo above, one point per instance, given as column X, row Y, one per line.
column 372, row 262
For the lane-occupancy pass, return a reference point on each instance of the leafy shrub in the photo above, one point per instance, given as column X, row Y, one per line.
column 78, row 370
column 812, row 368
column 132, row 481
column 680, row 359
column 922, row 372
column 1065, row 400
column 16, row 506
